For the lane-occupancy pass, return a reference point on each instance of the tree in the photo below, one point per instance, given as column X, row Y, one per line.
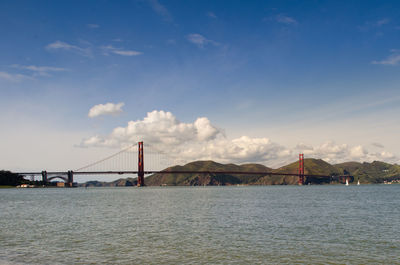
column 10, row 179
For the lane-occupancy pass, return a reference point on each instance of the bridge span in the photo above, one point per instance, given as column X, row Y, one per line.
column 68, row 176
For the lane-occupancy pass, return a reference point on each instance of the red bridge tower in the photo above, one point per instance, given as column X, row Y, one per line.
column 301, row 169
column 140, row 179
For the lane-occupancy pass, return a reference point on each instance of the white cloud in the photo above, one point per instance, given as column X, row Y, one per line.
column 111, row 49
column 13, row 77
column 382, row 22
column 160, row 127
column 303, row 146
column 285, row 20
column 337, row 153
column 393, row 59
column 374, row 25
column 200, row 40
column 39, row 70
column 127, row 53
column 105, row 109
column 201, row 140
column 160, row 9
column 171, row 41
column 379, row 145
column 211, row 14
column 59, row 45
column 92, row 26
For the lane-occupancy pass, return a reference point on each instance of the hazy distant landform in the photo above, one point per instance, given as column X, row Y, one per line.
column 375, row 172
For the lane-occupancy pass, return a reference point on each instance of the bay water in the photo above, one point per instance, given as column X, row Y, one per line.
column 330, row 224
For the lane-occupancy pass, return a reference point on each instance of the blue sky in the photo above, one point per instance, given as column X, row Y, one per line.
column 318, row 74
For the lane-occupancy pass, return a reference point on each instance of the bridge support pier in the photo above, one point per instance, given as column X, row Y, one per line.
column 140, row 179
column 70, row 176
column 44, row 177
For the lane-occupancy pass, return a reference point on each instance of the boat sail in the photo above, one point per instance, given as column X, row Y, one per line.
column 347, row 182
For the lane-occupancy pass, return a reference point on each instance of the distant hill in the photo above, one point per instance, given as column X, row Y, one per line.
column 116, row 183
column 375, row 172
column 206, row 179
column 311, row 166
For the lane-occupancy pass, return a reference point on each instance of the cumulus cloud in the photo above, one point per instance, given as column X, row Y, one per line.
column 105, row 109
column 392, row 59
column 197, row 140
column 94, row 141
column 200, row 40
column 60, row 45
column 111, row 49
column 160, row 127
column 201, row 140
column 337, row 153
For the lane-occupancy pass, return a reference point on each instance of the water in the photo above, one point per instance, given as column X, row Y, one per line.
column 201, row 225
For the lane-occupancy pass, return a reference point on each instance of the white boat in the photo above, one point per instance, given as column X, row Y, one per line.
column 347, row 182
column 358, row 183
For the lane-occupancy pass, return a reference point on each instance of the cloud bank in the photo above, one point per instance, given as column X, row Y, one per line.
column 201, row 140
column 105, row 109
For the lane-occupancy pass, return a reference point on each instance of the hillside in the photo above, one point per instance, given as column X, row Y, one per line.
column 206, row 179
column 311, row 166
column 375, row 172
column 116, row 183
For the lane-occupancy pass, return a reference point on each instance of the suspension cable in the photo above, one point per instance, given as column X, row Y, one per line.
column 104, row 159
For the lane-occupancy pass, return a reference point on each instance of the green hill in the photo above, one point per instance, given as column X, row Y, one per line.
column 116, row 183
column 375, row 172
column 311, row 166
column 177, row 179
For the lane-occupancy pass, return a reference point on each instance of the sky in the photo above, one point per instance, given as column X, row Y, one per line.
column 232, row 81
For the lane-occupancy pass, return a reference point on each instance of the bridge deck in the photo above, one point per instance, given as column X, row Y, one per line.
column 216, row 172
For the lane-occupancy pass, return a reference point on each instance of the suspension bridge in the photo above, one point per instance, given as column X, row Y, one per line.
column 123, row 162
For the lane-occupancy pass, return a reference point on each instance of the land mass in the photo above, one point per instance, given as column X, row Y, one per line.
column 375, row 172
column 366, row 173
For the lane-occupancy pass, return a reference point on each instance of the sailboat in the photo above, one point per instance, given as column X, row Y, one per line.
column 358, row 182
column 347, row 182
